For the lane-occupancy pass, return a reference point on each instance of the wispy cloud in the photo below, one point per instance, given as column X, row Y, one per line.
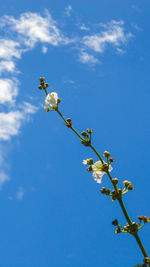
column 9, row 49
column 111, row 34
column 11, row 122
column 68, row 10
column 7, row 66
column 83, row 27
column 44, row 49
column 114, row 34
column 3, row 179
column 20, row 193
column 136, row 27
column 33, row 28
column 86, row 58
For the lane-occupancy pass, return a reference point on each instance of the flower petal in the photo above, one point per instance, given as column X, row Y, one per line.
column 51, row 99
column 98, row 176
column 84, row 161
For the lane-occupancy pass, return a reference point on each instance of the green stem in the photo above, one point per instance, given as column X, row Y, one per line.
column 125, row 212
column 141, row 246
column 129, row 221
column 115, row 187
column 70, row 126
column 97, row 153
column 45, row 91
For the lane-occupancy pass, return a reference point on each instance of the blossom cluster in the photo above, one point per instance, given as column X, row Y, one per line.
column 98, row 168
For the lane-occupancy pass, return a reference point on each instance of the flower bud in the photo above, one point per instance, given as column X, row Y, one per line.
column 108, row 191
column 58, row 100
column 130, row 187
column 115, row 181
column 84, row 134
column 42, row 79
column 126, row 183
column 118, row 230
column 69, row 120
column 89, row 169
column 146, row 260
column 90, row 161
column 134, row 227
column 114, row 195
column 140, row 218
column 115, row 222
column 89, row 131
column 145, row 219
column 111, row 159
column 46, row 85
column 106, row 154
column 103, row 190
column 40, row 87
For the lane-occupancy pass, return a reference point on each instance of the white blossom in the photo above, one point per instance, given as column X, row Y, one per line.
column 51, row 99
column 98, row 171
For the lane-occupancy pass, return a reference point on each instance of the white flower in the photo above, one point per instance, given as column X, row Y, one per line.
column 51, row 99
column 98, row 171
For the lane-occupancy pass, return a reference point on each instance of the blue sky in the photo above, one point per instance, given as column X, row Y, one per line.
column 96, row 56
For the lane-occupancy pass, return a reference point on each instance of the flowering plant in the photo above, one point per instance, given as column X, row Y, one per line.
column 100, row 168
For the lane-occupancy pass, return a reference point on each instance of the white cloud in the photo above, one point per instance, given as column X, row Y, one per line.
column 11, row 122
column 7, row 65
column 32, row 27
column 84, row 57
column 9, row 49
column 20, row 193
column 68, row 10
column 29, row 108
column 3, row 179
column 8, row 90
column 84, row 28
column 114, row 34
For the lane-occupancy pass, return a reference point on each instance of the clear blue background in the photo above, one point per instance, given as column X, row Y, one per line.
column 63, row 220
